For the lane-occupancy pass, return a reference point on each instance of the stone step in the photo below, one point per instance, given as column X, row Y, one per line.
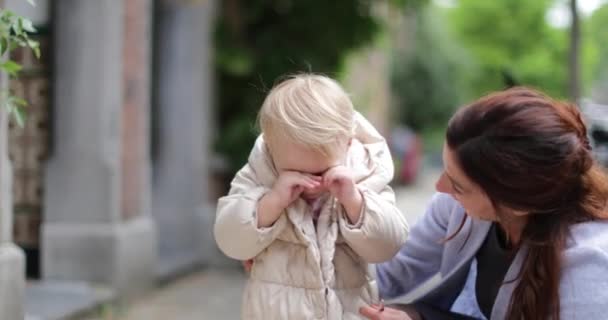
column 60, row 300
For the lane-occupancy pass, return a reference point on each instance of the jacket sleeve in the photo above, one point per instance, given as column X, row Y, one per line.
column 235, row 230
column 420, row 258
column 381, row 229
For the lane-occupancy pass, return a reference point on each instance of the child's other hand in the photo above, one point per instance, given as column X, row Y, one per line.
column 340, row 182
column 286, row 189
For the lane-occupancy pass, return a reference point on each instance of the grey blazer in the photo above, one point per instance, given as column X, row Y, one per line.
column 584, row 274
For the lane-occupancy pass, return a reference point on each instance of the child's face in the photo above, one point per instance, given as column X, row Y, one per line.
column 288, row 156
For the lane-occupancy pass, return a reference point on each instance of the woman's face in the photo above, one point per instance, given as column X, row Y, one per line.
column 453, row 181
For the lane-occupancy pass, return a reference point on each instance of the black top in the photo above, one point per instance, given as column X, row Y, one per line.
column 493, row 261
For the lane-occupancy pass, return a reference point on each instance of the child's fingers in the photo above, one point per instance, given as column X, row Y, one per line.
column 300, row 181
column 332, row 179
column 315, row 178
column 328, row 179
column 308, row 182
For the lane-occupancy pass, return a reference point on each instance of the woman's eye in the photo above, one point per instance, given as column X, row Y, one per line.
column 456, row 190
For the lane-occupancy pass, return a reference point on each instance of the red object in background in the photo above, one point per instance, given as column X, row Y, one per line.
column 247, row 265
column 410, row 164
column 406, row 149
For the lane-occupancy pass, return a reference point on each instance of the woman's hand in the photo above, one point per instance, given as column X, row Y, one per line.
column 373, row 312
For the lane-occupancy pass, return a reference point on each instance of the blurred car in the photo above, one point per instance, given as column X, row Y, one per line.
column 597, row 124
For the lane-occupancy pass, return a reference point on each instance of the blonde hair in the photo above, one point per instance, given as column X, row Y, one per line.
column 311, row 110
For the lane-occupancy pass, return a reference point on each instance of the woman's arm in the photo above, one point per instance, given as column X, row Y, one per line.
column 420, row 258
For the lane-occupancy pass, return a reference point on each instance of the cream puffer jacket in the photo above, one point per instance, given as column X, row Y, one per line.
column 303, row 272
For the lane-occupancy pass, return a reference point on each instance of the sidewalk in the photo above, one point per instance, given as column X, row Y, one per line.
column 413, row 199
column 208, row 294
column 216, row 293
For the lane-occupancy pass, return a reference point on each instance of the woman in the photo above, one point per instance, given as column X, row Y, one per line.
column 518, row 230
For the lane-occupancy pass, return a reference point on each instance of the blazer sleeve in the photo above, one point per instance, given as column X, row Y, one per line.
column 420, row 257
column 583, row 283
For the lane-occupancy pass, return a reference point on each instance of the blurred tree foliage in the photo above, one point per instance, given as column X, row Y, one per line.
column 511, row 42
column 427, row 75
column 596, row 30
column 15, row 32
column 457, row 53
column 259, row 40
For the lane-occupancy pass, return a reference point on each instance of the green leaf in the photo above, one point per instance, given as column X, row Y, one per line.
column 32, row 43
column 20, row 42
column 35, row 46
column 15, row 108
column 12, row 45
column 3, row 45
column 235, row 61
column 27, row 25
column 11, row 67
column 31, row 2
column 7, row 106
column 7, row 14
column 17, row 27
column 20, row 116
column 4, row 26
column 18, row 101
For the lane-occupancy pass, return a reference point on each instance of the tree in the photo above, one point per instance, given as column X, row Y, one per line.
column 511, row 37
column 258, row 41
column 14, row 32
column 596, row 36
column 427, row 78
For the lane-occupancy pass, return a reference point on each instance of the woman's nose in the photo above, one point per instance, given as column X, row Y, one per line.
column 442, row 184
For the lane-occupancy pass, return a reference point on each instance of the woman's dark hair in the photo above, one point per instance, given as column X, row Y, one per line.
column 529, row 152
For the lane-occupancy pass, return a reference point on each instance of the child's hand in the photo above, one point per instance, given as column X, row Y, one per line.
column 286, row 189
column 290, row 185
column 341, row 184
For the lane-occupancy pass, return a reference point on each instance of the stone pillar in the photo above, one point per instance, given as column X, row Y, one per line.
column 28, row 146
column 96, row 227
column 180, row 163
column 12, row 259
